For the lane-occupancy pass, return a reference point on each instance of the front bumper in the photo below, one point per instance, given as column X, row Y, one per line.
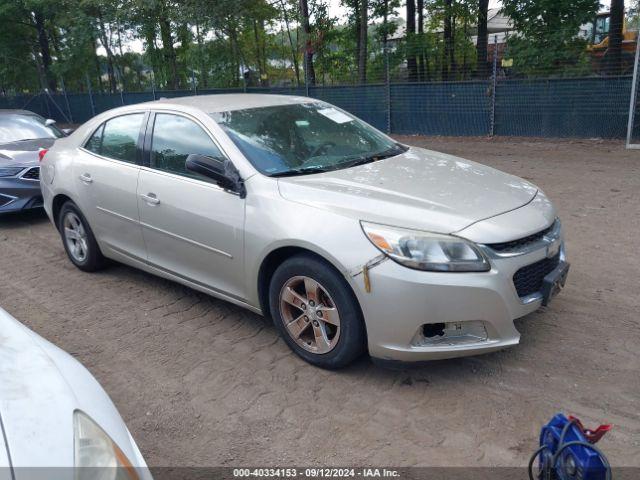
column 477, row 309
column 18, row 193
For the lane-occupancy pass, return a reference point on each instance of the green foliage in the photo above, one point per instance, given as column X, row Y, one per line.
column 546, row 42
column 231, row 43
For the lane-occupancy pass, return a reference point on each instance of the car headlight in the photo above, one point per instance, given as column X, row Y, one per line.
column 10, row 171
column 96, row 456
column 426, row 251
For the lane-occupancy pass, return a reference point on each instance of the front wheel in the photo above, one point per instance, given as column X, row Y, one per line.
column 78, row 239
column 316, row 312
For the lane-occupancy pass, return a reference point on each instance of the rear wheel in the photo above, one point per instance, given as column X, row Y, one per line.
column 316, row 312
column 78, row 239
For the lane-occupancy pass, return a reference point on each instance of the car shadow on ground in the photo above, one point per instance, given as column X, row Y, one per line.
column 418, row 374
column 405, row 373
column 36, row 215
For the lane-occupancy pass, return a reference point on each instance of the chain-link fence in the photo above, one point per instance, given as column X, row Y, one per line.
column 633, row 123
column 414, row 94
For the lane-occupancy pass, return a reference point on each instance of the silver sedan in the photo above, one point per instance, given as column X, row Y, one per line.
column 23, row 136
column 295, row 209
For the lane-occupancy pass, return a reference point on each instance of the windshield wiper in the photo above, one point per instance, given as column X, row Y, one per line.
column 392, row 152
column 301, row 171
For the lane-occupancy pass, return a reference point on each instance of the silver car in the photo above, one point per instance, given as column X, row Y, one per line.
column 295, row 209
column 23, row 136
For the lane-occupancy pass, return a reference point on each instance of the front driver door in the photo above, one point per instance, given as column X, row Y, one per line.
column 191, row 227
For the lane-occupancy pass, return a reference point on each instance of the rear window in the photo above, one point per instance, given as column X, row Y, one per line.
column 19, row 128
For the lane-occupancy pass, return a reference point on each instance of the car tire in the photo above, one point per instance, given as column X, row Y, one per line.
column 316, row 312
column 78, row 239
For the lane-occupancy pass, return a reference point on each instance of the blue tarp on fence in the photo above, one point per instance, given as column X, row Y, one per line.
column 576, row 107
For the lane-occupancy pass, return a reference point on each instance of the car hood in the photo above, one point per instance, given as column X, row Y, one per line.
column 23, row 153
column 40, row 388
column 419, row 189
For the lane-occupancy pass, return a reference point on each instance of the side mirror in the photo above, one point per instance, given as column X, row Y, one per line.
column 68, row 131
column 221, row 170
column 48, row 122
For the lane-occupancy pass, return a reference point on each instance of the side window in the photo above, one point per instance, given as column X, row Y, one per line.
column 117, row 138
column 93, row 144
column 174, row 138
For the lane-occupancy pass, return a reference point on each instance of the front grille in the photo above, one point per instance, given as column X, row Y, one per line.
column 32, row 174
column 528, row 280
column 521, row 243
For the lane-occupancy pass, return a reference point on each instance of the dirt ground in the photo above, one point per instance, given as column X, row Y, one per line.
column 202, row 382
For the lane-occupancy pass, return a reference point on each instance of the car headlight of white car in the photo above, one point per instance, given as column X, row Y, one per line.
column 96, row 454
column 426, row 251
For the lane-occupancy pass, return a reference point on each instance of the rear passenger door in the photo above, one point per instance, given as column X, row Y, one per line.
column 106, row 177
column 192, row 227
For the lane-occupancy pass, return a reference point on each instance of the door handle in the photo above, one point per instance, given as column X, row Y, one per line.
column 86, row 178
column 150, row 198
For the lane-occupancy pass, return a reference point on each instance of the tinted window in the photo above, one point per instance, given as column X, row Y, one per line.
column 174, row 138
column 18, row 128
column 117, row 138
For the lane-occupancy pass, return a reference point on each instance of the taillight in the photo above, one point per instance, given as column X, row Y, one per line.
column 42, row 153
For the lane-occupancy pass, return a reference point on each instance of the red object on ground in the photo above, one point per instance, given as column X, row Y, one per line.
column 593, row 436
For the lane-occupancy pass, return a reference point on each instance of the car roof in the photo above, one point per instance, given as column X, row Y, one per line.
column 231, row 101
column 11, row 111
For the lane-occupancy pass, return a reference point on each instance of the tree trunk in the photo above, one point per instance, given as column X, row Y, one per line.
column 169, row 52
column 482, row 67
column 45, row 51
column 256, row 39
column 121, row 66
column 421, row 55
column 310, row 75
column 94, row 46
column 106, row 44
column 294, row 50
column 613, row 55
column 362, row 53
column 204, row 74
column 446, row 58
column 412, row 65
column 453, row 66
column 465, row 31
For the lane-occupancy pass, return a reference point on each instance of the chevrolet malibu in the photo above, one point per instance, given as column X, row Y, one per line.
column 293, row 208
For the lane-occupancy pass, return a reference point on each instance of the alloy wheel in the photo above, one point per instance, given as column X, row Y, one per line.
column 75, row 237
column 310, row 315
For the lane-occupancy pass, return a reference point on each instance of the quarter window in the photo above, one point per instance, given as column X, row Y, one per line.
column 174, row 138
column 93, row 144
column 117, row 138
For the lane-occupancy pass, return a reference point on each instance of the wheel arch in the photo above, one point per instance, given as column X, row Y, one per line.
column 276, row 257
column 56, row 204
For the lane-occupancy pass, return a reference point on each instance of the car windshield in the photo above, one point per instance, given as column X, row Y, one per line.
column 304, row 138
column 18, row 128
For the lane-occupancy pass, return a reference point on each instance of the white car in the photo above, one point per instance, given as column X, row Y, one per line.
column 56, row 421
